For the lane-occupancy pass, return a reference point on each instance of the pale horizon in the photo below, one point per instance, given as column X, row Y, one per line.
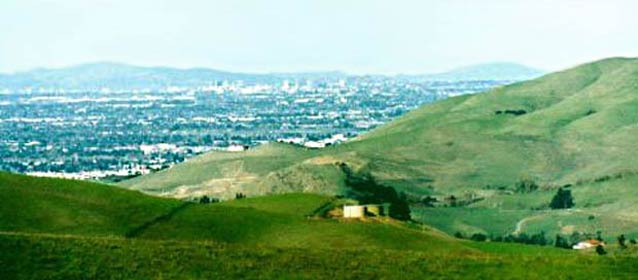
column 356, row 37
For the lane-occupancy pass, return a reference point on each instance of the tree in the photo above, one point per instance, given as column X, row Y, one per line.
column 538, row 239
column 399, row 208
column 563, row 198
column 428, row 201
column 621, row 241
column 366, row 190
column 561, row 242
column 452, row 200
column 600, row 249
column 478, row 237
column 204, row 200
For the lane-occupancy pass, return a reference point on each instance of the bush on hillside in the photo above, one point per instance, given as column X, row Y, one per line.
column 622, row 241
column 429, row 201
column 526, row 186
column 563, row 198
column 600, row 249
column 479, row 237
column 511, row 112
column 534, row 239
column 561, row 242
column 204, row 200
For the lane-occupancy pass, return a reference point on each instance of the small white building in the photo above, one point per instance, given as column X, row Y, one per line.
column 236, row 148
column 587, row 244
column 314, row 145
column 354, row 211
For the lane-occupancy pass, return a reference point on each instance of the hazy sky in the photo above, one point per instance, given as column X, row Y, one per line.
column 391, row 36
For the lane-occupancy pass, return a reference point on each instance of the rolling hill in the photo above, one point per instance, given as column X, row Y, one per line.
column 61, row 229
column 54, row 206
column 576, row 126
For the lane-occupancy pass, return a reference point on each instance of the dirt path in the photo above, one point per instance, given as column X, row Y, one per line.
column 521, row 223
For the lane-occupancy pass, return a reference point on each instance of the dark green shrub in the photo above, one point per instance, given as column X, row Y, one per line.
column 563, row 198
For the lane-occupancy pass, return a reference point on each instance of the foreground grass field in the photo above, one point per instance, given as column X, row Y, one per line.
column 64, row 229
column 71, row 257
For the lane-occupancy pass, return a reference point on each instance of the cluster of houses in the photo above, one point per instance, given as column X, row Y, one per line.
column 334, row 139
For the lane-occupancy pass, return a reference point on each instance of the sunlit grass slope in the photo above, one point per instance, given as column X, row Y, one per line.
column 64, row 229
column 579, row 124
column 39, row 205
column 573, row 127
column 31, row 204
column 63, row 257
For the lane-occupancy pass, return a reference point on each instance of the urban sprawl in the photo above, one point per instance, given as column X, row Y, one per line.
column 102, row 133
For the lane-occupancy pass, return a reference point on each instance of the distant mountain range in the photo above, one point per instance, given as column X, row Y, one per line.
column 489, row 71
column 123, row 76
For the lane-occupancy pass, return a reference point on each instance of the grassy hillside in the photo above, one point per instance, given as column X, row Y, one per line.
column 40, row 205
column 267, row 169
column 46, row 205
column 64, row 229
column 69, row 257
column 571, row 127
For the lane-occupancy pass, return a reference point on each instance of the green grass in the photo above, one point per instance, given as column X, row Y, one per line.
column 581, row 124
column 69, row 257
column 73, row 207
column 270, row 237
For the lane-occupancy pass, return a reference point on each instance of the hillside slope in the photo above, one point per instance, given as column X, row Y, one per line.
column 54, row 206
column 44, row 205
column 576, row 126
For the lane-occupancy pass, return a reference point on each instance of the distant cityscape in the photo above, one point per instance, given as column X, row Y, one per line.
column 104, row 132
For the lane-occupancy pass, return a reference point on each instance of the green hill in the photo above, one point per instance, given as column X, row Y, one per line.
column 55, row 206
column 43, row 205
column 571, row 127
column 64, row 229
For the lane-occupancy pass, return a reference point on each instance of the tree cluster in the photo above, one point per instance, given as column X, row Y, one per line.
column 536, row 239
column 366, row 190
column 206, row 200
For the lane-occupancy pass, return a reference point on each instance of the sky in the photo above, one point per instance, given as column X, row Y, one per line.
column 355, row 36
